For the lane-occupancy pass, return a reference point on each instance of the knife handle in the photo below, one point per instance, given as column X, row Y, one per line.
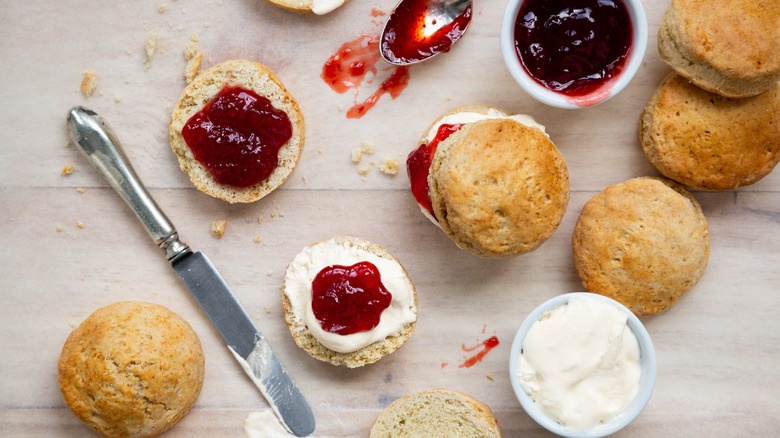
column 97, row 141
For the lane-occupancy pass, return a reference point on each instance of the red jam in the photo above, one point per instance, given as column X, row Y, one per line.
column 237, row 136
column 394, row 85
column 407, row 38
column 574, row 46
column 418, row 165
column 349, row 299
column 486, row 345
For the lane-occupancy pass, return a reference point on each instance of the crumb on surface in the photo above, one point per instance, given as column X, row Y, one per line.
column 81, row 190
column 88, row 82
column 117, row 98
column 267, row 309
column 357, row 155
column 80, row 224
column 151, row 47
column 367, row 148
column 260, row 219
column 489, row 377
column 258, row 238
column 162, row 8
column 218, row 228
column 58, row 228
column 389, row 166
column 194, row 58
column 364, row 170
column 68, row 169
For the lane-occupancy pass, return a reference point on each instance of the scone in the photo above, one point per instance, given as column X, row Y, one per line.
column 709, row 142
column 131, row 369
column 348, row 302
column 436, row 413
column 728, row 47
column 237, row 131
column 318, row 7
column 493, row 182
column 643, row 242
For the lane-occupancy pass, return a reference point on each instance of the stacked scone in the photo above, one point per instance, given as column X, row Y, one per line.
column 493, row 182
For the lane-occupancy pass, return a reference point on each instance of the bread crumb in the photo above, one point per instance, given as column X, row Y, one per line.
column 489, row 377
column 194, row 58
column 81, row 190
column 88, row 82
column 68, row 169
column 218, row 228
column 194, row 37
column 117, row 98
column 58, row 228
column 151, row 47
column 341, row 108
column 267, row 309
column 260, row 219
column 364, row 170
column 389, row 166
column 258, row 238
column 357, row 155
column 80, row 224
column 303, row 178
column 162, row 8
column 269, row 273
column 367, row 148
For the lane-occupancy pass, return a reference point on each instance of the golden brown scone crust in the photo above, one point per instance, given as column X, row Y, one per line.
column 436, row 413
column 364, row 356
column 249, row 75
column 498, row 188
column 709, row 142
column 728, row 47
column 131, row 369
column 643, row 242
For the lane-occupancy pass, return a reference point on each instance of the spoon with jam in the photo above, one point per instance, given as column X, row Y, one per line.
column 419, row 29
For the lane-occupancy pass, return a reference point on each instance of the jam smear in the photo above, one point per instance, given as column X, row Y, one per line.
column 237, row 136
column 575, row 46
column 349, row 299
column 418, row 165
column 409, row 35
column 394, row 85
column 486, row 345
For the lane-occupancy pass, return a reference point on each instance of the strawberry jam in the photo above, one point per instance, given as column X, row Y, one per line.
column 408, row 36
column 418, row 165
column 237, row 136
column 574, row 46
column 349, row 299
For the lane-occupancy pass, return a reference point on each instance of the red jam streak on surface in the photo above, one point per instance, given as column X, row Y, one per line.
column 347, row 68
column 486, row 345
column 237, row 136
column 418, row 165
column 349, row 299
column 411, row 19
column 574, row 46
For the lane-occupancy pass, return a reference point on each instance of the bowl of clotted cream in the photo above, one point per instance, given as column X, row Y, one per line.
column 582, row 365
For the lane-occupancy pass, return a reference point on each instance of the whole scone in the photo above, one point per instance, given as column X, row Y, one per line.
column 318, row 7
column 728, row 47
column 709, row 142
column 643, row 242
column 201, row 91
column 436, row 413
column 498, row 188
column 397, row 322
column 131, row 369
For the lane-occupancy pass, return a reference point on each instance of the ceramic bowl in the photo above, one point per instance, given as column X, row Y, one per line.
column 608, row 90
column 646, row 381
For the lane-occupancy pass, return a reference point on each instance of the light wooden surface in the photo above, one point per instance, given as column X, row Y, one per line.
column 718, row 349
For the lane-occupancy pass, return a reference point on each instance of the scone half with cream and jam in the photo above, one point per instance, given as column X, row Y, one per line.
column 317, row 7
column 348, row 301
column 237, row 131
column 493, row 182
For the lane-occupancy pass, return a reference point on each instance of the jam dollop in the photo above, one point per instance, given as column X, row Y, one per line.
column 574, row 46
column 418, row 165
column 237, row 136
column 349, row 299
column 408, row 35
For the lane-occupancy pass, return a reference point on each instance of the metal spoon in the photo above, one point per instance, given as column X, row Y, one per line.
column 420, row 29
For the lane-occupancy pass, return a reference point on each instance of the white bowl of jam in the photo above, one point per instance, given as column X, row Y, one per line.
column 573, row 53
column 582, row 365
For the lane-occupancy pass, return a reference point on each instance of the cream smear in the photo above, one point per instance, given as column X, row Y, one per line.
column 580, row 363
column 322, row 7
column 309, row 262
column 264, row 424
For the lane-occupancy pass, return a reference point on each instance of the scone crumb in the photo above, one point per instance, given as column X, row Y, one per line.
column 194, row 37
column 258, row 238
column 260, row 219
column 68, row 169
column 162, row 8
column 117, row 98
column 367, row 148
column 194, row 58
column 151, row 47
column 357, row 155
column 218, row 228
column 364, row 170
column 80, row 224
column 88, row 82
column 58, row 228
column 489, row 377
column 389, row 166
column 267, row 309
column 81, row 190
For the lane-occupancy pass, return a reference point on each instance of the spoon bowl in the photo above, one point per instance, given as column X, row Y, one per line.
column 420, row 29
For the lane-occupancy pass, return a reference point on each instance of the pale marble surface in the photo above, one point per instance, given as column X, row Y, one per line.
column 718, row 349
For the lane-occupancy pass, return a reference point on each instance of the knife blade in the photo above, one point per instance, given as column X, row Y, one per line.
column 97, row 141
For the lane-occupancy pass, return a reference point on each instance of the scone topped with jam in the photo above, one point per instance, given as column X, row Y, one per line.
column 237, row 131
column 348, row 301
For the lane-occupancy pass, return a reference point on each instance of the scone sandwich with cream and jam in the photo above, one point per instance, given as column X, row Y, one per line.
column 493, row 182
column 237, row 131
column 317, row 7
column 348, row 301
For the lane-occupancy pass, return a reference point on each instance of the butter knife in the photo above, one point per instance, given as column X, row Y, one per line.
column 95, row 139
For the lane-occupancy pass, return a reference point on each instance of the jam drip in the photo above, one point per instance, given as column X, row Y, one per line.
column 418, row 165
column 237, row 136
column 575, row 46
column 349, row 299
column 411, row 19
